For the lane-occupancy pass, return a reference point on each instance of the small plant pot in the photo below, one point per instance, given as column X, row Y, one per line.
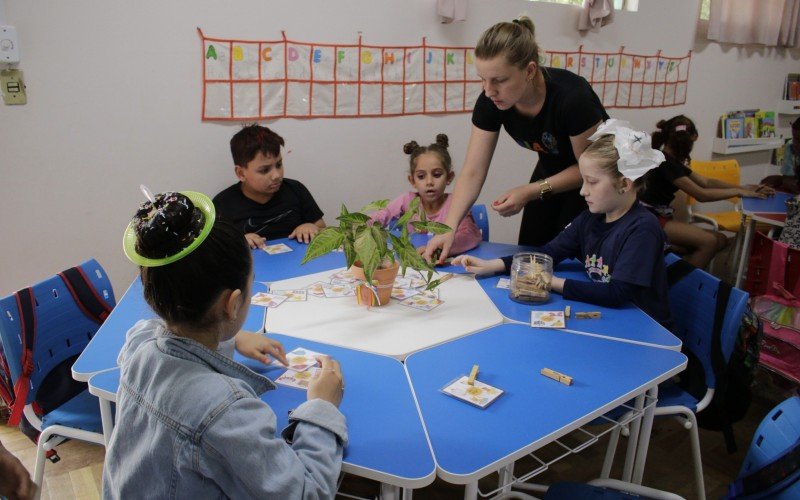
column 382, row 280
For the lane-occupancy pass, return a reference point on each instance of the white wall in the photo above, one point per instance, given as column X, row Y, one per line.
column 114, row 101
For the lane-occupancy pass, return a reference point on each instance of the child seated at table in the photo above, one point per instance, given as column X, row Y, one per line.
column 676, row 137
column 619, row 241
column 264, row 204
column 430, row 172
column 789, row 179
column 190, row 422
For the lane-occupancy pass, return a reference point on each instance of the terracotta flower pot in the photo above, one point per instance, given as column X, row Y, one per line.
column 382, row 281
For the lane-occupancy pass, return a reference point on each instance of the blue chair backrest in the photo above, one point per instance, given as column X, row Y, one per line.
column 693, row 302
column 481, row 219
column 62, row 329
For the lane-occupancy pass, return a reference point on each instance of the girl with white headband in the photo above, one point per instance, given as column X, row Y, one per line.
column 619, row 241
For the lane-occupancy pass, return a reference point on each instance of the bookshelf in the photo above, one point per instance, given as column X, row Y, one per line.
column 733, row 146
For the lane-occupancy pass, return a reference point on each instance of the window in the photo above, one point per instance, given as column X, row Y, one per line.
column 705, row 6
column 629, row 5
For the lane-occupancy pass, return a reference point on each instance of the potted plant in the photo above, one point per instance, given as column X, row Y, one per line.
column 374, row 252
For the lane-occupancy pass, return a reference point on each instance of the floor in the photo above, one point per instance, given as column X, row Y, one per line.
column 78, row 474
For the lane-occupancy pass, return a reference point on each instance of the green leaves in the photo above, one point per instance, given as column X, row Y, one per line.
column 367, row 251
column 375, row 206
column 431, row 227
column 327, row 240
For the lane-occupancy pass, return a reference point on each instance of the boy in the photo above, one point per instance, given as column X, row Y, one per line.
column 264, row 204
column 789, row 180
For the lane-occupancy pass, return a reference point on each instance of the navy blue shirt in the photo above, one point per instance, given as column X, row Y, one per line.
column 624, row 260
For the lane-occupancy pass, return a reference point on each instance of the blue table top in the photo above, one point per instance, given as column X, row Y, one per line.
column 774, row 204
column 101, row 353
column 627, row 323
column 469, row 442
column 283, row 266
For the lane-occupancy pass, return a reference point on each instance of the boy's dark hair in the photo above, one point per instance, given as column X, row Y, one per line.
column 439, row 148
column 678, row 134
column 182, row 292
column 251, row 140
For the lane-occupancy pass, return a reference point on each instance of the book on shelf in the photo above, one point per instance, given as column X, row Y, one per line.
column 791, row 87
column 765, row 121
column 749, row 127
column 734, row 128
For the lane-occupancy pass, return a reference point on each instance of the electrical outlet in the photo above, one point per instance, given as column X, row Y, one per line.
column 13, row 86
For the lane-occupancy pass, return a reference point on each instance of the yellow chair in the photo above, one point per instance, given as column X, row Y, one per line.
column 727, row 171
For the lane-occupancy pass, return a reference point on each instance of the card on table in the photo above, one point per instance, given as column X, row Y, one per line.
column 332, row 290
column 267, row 299
column 301, row 359
column 403, row 293
column 548, row 319
column 316, row 289
column 298, row 380
column 480, row 394
column 424, row 301
column 292, row 295
column 504, row 283
column 343, row 277
column 401, row 282
column 277, row 248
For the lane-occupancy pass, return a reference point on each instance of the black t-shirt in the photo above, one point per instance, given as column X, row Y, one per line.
column 291, row 206
column 570, row 108
column 659, row 190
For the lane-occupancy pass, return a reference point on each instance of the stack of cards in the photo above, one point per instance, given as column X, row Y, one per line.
column 292, row 295
column 302, row 368
column 276, row 249
column 548, row 319
column 424, row 301
column 267, row 299
column 480, row 394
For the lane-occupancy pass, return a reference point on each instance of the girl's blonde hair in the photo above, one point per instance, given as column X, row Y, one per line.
column 439, row 148
column 515, row 40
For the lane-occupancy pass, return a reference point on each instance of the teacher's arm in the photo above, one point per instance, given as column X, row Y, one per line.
column 469, row 182
column 514, row 200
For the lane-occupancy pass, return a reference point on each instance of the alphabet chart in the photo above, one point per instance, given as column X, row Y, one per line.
column 256, row 80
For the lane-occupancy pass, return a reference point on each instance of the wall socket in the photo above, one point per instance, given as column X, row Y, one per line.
column 12, row 86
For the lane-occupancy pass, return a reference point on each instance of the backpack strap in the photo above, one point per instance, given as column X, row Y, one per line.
column 769, row 479
column 85, row 295
column 26, row 304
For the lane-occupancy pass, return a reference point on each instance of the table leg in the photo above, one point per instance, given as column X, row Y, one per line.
column 390, row 492
column 106, row 419
column 633, row 441
column 471, row 491
column 748, row 238
column 408, row 493
column 644, row 439
column 506, row 475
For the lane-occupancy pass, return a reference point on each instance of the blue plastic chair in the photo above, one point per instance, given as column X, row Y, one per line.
column 62, row 332
column 776, row 434
column 481, row 219
column 693, row 302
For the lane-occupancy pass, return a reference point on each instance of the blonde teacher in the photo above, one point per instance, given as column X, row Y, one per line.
column 547, row 110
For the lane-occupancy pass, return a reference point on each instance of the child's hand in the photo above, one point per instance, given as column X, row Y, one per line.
column 328, row 385
column 751, row 192
column 764, row 189
column 479, row 266
column 258, row 347
column 255, row 241
column 304, row 232
column 557, row 284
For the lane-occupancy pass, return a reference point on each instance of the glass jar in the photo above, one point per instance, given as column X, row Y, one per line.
column 531, row 274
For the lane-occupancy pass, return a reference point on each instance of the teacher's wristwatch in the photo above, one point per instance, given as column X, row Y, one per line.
column 545, row 189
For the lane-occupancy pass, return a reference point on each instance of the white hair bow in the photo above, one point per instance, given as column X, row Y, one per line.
column 636, row 153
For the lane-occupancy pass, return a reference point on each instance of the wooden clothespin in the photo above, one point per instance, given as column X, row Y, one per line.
column 445, row 278
column 567, row 311
column 472, row 375
column 560, row 377
column 587, row 315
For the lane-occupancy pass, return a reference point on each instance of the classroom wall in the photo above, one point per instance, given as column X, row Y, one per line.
column 114, row 101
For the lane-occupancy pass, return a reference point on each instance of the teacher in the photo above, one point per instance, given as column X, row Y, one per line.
column 548, row 110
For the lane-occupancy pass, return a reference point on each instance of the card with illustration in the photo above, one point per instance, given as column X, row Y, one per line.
column 417, row 283
column 298, row 380
column 292, row 295
column 548, row 319
column 424, row 301
column 267, row 299
column 403, row 293
column 277, row 248
column 332, row 290
column 343, row 278
column 316, row 290
column 480, row 394
column 401, row 282
column 504, row 283
column 301, row 359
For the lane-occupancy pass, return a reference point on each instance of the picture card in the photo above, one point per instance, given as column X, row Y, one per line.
column 332, row 290
column 343, row 277
column 401, row 282
column 267, row 299
column 277, row 248
column 403, row 293
column 424, row 301
column 301, row 359
column 298, row 380
column 480, row 394
column 316, row 290
column 548, row 319
column 504, row 283
column 299, row 295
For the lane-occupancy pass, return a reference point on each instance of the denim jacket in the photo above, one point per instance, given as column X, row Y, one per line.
column 190, row 424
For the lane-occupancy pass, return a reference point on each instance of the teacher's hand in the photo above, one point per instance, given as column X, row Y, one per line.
column 512, row 201
column 443, row 242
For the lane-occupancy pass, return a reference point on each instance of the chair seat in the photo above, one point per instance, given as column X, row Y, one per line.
column 80, row 412
column 728, row 221
column 673, row 395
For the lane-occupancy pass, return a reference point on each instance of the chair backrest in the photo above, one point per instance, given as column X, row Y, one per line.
column 62, row 328
column 481, row 220
column 723, row 170
column 693, row 302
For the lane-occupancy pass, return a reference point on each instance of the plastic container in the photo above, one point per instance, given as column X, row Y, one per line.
column 531, row 274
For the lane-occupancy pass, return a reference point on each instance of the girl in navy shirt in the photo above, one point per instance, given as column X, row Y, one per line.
column 619, row 241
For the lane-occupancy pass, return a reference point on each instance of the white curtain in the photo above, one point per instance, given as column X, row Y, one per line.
column 765, row 22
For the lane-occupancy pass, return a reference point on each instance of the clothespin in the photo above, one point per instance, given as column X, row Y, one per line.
column 587, row 315
column 567, row 311
column 445, row 278
column 560, row 377
column 472, row 375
